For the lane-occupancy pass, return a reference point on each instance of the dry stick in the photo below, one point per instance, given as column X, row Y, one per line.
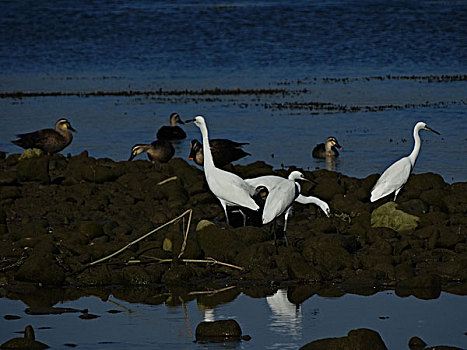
column 182, row 249
column 207, row 260
column 139, row 239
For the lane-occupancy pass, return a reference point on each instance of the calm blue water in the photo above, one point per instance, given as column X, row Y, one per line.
column 84, row 46
column 272, row 322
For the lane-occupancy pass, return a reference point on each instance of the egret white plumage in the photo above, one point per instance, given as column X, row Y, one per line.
column 282, row 193
column 395, row 177
column 230, row 189
column 314, row 200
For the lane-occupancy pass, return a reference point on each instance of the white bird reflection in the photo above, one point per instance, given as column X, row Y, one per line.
column 286, row 317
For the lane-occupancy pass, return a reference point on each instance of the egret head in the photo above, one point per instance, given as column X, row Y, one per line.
column 423, row 126
column 332, row 141
column 296, row 175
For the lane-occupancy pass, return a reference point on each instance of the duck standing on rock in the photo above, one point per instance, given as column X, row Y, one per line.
column 172, row 132
column 223, row 151
column 159, row 150
column 48, row 140
column 327, row 149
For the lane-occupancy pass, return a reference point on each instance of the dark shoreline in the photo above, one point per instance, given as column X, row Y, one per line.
column 59, row 214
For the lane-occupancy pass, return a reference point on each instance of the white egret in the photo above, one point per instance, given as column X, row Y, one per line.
column 327, row 149
column 172, row 132
column 395, row 177
column 314, row 200
column 282, row 193
column 230, row 189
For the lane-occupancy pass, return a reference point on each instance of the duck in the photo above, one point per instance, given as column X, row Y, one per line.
column 172, row 132
column 229, row 188
column 327, row 149
column 50, row 141
column 395, row 176
column 159, row 150
column 223, row 151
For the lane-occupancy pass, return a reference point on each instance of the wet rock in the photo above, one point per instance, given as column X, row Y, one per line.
column 328, row 187
column 416, row 343
column 28, row 342
column 218, row 243
column 423, row 287
column 388, row 215
column 34, row 169
column 358, row 339
column 217, row 331
column 41, row 266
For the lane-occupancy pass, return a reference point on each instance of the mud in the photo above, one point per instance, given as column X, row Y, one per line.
column 59, row 215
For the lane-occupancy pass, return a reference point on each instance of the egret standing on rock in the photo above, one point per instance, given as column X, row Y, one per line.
column 230, row 189
column 395, row 177
column 282, row 193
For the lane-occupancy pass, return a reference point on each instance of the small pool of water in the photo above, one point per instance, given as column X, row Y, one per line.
column 272, row 322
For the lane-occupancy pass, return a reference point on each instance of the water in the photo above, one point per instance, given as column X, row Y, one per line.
column 63, row 46
column 272, row 322
column 374, row 67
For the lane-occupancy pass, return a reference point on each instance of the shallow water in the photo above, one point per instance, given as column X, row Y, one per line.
column 362, row 71
column 272, row 322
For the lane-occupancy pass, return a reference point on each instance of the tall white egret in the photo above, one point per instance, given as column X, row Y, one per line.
column 282, row 193
column 230, row 189
column 395, row 177
column 269, row 181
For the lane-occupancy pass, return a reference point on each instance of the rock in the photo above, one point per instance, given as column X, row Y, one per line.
column 358, row 339
column 388, row 215
column 223, row 330
column 415, row 343
column 28, row 342
column 34, row 169
column 423, row 287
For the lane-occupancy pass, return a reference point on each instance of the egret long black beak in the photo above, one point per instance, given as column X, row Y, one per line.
column 189, row 121
column 430, row 129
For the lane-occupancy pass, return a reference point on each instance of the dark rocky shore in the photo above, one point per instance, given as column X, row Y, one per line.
column 60, row 214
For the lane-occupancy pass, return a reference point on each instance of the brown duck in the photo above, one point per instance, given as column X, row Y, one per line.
column 160, row 150
column 328, row 149
column 223, row 151
column 48, row 140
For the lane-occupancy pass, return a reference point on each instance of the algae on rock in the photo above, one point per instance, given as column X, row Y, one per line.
column 389, row 216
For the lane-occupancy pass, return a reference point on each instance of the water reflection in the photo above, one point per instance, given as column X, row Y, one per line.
column 286, row 317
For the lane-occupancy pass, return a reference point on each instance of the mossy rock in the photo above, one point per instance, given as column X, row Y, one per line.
column 389, row 216
column 222, row 330
column 357, row 339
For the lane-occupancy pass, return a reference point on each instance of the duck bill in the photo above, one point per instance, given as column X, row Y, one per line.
column 430, row 129
column 131, row 157
column 340, row 147
column 72, row 129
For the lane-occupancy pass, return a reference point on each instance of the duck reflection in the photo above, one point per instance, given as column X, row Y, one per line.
column 286, row 317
